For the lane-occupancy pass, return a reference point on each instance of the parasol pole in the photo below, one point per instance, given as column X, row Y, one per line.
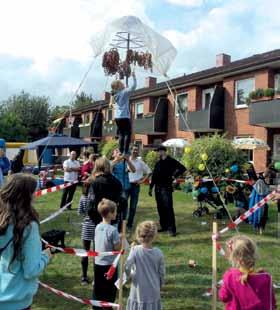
column 127, row 49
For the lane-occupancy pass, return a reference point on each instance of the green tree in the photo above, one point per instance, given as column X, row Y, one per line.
column 58, row 112
column 11, row 128
column 82, row 100
column 33, row 113
column 215, row 152
column 108, row 148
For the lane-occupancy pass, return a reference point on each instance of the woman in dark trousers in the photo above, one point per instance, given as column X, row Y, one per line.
column 103, row 185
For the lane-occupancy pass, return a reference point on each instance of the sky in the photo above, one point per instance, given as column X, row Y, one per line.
column 45, row 44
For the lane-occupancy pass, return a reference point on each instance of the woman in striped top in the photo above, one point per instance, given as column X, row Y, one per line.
column 88, row 229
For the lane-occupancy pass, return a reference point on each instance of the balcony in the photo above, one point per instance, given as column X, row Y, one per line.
column 67, row 131
column 153, row 123
column 265, row 113
column 85, row 131
column 208, row 120
column 109, row 129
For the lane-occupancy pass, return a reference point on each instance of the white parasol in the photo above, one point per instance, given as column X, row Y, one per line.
column 250, row 144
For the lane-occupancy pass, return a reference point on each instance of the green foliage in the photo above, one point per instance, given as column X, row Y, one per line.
column 221, row 156
column 82, row 100
column 32, row 115
column 108, row 148
column 269, row 92
column 151, row 158
column 256, row 94
column 11, row 128
column 57, row 112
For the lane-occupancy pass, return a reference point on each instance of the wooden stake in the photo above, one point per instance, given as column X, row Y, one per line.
column 122, row 265
column 278, row 224
column 214, row 268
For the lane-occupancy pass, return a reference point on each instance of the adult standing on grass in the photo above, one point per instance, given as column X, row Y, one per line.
column 141, row 174
column 71, row 173
column 102, row 185
column 166, row 170
column 4, row 166
column 21, row 256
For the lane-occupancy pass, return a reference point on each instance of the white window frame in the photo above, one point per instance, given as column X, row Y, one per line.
column 241, row 106
column 277, row 81
column 252, row 151
column 176, row 103
column 136, row 105
column 207, row 91
column 85, row 116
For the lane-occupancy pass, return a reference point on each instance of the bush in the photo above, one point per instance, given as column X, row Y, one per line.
column 108, row 148
column 269, row 92
column 151, row 158
column 221, row 156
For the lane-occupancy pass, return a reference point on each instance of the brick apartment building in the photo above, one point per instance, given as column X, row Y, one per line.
column 209, row 101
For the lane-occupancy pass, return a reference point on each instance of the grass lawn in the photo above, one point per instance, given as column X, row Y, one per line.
column 184, row 285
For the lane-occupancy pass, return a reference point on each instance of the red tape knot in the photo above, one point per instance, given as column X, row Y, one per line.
column 69, row 251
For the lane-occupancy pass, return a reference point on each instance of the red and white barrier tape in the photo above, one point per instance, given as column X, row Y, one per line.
column 80, row 252
column 241, row 219
column 55, row 214
column 95, row 303
column 248, row 182
column 110, row 273
column 54, row 189
column 209, row 291
column 248, row 213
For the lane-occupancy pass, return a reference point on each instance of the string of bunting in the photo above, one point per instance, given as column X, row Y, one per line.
column 95, row 303
column 56, row 188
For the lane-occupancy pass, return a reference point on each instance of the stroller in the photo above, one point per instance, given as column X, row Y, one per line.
column 208, row 195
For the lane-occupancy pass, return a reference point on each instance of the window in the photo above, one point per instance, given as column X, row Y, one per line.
column 139, row 110
column 276, row 147
column 181, row 106
column 108, row 115
column 86, row 119
column 242, row 91
column 207, row 95
column 277, row 82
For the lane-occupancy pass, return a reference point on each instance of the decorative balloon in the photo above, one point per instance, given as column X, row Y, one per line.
column 214, row 189
column 204, row 156
column 234, row 168
column 277, row 165
column 203, row 190
column 227, row 170
column 201, row 167
column 187, row 150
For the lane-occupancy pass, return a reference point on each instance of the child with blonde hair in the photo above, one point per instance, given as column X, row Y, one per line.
column 145, row 266
column 243, row 287
column 120, row 97
column 106, row 239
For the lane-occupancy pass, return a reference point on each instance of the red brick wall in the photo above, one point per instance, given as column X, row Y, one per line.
column 237, row 120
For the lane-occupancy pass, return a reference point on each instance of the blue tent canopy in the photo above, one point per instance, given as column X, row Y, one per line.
column 57, row 141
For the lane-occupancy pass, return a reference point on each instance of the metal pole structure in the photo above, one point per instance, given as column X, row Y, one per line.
column 127, row 49
column 214, row 267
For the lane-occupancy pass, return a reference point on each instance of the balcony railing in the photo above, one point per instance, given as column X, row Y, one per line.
column 153, row 123
column 265, row 113
column 109, row 129
column 85, row 131
column 208, row 120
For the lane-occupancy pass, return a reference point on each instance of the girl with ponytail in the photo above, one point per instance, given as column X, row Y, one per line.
column 243, row 287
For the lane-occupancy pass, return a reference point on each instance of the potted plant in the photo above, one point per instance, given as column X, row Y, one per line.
column 268, row 93
column 256, row 94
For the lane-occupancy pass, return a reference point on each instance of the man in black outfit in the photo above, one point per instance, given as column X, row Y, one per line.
column 166, row 170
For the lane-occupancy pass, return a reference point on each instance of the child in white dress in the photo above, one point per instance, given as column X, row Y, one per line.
column 145, row 266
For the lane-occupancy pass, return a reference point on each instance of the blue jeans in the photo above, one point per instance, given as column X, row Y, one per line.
column 133, row 193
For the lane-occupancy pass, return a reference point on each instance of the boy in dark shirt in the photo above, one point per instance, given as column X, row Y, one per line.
column 166, row 170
